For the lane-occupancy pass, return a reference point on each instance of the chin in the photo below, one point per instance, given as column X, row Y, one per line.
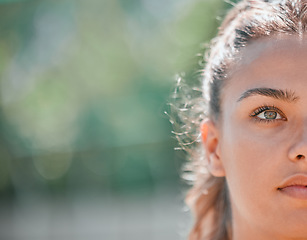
column 293, row 231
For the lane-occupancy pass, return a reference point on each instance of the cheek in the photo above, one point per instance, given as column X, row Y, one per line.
column 254, row 163
column 242, row 156
column 245, row 160
column 251, row 158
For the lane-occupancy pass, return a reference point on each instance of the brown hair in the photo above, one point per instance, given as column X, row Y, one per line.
column 194, row 102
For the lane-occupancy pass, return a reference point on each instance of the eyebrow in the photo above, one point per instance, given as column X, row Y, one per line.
column 279, row 94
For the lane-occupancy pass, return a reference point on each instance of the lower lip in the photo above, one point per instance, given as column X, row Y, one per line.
column 299, row 192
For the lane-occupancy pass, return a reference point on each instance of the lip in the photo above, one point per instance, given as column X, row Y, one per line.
column 295, row 186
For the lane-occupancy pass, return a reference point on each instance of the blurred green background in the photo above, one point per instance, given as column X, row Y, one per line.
column 86, row 151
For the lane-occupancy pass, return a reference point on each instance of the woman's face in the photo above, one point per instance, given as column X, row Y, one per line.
column 262, row 143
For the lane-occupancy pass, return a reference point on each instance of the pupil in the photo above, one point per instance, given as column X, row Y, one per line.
column 270, row 115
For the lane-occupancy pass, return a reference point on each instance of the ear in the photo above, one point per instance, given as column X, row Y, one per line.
column 211, row 140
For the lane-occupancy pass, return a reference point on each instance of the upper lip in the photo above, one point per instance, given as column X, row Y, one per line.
column 294, row 180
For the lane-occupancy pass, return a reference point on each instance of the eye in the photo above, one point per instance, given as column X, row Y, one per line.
column 268, row 113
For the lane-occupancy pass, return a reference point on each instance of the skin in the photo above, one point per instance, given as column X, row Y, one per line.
column 257, row 149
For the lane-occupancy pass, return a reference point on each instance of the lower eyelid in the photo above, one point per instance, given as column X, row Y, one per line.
column 260, row 120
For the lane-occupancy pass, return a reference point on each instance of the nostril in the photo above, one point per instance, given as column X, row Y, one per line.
column 300, row 156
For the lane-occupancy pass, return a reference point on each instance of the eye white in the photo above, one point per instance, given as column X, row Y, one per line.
column 269, row 115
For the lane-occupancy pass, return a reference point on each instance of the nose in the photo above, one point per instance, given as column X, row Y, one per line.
column 298, row 150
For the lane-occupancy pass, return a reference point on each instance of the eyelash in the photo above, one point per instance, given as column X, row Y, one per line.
column 263, row 108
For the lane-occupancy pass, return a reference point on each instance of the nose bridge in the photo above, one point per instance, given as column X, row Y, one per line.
column 299, row 147
column 302, row 132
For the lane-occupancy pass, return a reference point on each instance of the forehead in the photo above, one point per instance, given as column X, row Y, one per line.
column 270, row 63
column 272, row 47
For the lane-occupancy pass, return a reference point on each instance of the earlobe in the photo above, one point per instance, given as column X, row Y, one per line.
column 211, row 138
column 216, row 166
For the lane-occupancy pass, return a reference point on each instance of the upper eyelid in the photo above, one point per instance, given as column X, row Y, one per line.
column 258, row 110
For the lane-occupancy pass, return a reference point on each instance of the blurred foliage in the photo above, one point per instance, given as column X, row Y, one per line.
column 84, row 85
